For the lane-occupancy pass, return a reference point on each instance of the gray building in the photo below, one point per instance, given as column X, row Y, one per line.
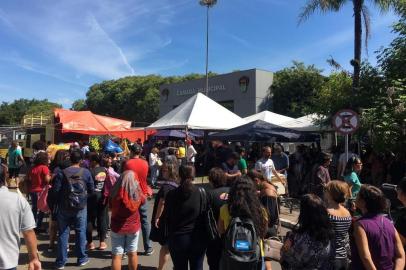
column 242, row 92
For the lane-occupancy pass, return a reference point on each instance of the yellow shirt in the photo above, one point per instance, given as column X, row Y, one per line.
column 181, row 152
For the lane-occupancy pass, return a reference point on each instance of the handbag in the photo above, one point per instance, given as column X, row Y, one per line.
column 274, row 244
column 42, row 200
column 208, row 216
column 160, row 234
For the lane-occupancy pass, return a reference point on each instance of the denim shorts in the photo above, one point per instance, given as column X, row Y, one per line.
column 121, row 243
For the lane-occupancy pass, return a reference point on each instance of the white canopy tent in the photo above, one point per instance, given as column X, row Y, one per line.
column 270, row 117
column 306, row 123
column 198, row 112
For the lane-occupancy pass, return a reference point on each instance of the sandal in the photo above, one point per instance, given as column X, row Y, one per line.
column 102, row 246
column 91, row 246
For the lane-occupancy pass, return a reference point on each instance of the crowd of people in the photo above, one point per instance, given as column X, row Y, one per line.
column 344, row 220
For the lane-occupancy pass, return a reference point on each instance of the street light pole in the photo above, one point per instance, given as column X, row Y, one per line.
column 208, row 4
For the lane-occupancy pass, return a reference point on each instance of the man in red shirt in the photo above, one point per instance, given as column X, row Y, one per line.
column 140, row 167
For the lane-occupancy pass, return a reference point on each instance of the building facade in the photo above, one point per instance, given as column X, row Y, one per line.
column 242, row 92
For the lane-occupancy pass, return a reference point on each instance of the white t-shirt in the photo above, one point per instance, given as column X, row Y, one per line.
column 191, row 153
column 16, row 217
column 265, row 166
column 153, row 159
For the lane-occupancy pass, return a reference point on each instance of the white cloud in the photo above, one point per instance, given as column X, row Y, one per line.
column 103, row 38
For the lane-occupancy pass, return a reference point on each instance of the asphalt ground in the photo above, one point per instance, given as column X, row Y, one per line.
column 102, row 259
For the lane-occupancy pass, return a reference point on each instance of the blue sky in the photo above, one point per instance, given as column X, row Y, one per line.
column 57, row 49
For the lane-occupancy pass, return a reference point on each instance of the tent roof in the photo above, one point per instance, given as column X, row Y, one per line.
column 86, row 122
column 199, row 112
column 306, row 123
column 263, row 131
column 270, row 117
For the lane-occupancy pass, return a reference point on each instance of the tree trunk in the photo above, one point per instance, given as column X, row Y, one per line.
column 357, row 44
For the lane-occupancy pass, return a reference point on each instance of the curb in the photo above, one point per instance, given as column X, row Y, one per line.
column 287, row 223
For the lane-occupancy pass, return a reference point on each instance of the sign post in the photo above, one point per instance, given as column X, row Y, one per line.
column 346, row 122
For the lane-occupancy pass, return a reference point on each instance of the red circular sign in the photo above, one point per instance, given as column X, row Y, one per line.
column 346, row 121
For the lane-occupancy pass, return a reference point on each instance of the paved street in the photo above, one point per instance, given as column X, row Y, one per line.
column 102, row 259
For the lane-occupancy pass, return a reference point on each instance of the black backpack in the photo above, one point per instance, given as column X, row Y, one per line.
column 241, row 246
column 75, row 190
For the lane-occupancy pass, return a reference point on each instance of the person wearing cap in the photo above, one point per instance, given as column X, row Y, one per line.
column 140, row 167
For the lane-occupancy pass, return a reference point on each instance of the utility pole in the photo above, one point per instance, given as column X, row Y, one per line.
column 208, row 4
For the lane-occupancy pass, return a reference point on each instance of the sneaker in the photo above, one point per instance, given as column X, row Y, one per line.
column 84, row 263
column 149, row 252
column 60, row 267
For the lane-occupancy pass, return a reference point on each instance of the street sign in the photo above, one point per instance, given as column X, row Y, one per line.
column 346, row 122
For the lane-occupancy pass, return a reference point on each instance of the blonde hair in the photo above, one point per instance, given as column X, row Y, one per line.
column 338, row 190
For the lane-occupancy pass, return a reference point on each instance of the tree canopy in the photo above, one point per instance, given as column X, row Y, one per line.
column 13, row 112
column 294, row 87
column 134, row 98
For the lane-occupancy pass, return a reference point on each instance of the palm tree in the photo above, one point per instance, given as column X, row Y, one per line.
column 361, row 19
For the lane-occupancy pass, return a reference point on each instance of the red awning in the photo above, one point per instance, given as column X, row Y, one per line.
column 86, row 122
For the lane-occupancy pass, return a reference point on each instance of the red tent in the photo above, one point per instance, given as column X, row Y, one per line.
column 86, row 122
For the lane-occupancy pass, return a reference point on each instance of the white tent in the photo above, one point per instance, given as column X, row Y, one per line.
column 306, row 123
column 199, row 112
column 270, row 117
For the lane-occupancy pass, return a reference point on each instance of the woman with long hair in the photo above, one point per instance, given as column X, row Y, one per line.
column 187, row 233
column 219, row 196
column 269, row 199
column 39, row 177
column 335, row 195
column 243, row 203
column 377, row 243
column 351, row 173
column 311, row 243
column 125, row 200
column 60, row 162
column 169, row 180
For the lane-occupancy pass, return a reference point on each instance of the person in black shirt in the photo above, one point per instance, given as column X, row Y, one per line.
column 169, row 181
column 97, row 211
column 401, row 221
column 218, row 197
column 187, row 234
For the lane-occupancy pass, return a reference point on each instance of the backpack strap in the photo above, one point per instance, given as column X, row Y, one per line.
column 203, row 200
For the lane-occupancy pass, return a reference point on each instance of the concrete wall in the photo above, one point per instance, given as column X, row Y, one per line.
column 223, row 88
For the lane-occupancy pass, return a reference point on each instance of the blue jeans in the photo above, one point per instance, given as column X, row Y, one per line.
column 78, row 219
column 145, row 227
column 38, row 215
column 154, row 174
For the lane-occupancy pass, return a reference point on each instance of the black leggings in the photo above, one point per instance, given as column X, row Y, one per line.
column 341, row 264
column 187, row 249
column 97, row 215
column 213, row 253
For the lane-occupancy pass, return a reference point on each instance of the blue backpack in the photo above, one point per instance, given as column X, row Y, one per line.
column 75, row 190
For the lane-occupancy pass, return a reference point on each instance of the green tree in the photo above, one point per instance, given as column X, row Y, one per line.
column 79, row 105
column 294, row 87
column 13, row 112
column 361, row 16
column 134, row 98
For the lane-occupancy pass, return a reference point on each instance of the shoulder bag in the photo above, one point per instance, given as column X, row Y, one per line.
column 208, row 217
column 273, row 245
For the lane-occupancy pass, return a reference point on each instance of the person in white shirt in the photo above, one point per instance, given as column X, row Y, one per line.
column 191, row 153
column 16, row 218
column 266, row 166
column 154, row 164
